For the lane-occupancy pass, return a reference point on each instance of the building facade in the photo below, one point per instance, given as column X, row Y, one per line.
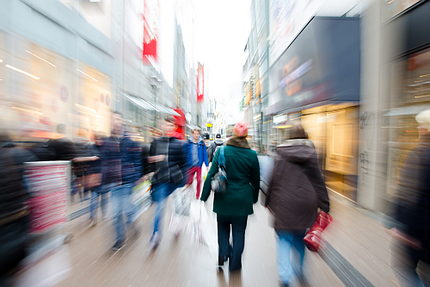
column 354, row 74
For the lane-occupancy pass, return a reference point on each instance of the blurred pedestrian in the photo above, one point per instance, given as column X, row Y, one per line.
column 81, row 164
column 14, row 215
column 296, row 191
column 111, row 169
column 217, row 143
column 157, row 133
column 410, row 209
column 197, row 155
column 63, row 147
column 169, row 164
column 206, row 140
column 121, row 171
column 234, row 206
column 96, row 179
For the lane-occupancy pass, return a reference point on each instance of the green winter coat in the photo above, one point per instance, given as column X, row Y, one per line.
column 243, row 174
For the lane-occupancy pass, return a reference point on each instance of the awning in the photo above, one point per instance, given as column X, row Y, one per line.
column 140, row 102
column 166, row 110
column 148, row 106
column 323, row 66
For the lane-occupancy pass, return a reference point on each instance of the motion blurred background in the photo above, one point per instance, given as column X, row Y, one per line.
column 355, row 73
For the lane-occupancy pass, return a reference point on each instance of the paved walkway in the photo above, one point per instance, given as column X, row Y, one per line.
column 356, row 253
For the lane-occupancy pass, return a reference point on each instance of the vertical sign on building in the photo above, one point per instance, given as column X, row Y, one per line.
column 151, row 17
column 200, row 83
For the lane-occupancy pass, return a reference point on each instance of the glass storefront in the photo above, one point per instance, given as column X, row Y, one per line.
column 94, row 102
column 410, row 94
column 334, row 132
column 41, row 89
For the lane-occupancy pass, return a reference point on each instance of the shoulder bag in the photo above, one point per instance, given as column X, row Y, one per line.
column 219, row 180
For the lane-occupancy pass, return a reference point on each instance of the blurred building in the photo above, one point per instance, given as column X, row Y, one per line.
column 354, row 73
column 303, row 64
column 395, row 88
column 75, row 61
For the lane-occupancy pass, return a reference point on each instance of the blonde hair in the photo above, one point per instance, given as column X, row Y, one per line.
column 423, row 119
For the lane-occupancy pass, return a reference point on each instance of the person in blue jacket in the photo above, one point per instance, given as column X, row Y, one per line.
column 197, row 154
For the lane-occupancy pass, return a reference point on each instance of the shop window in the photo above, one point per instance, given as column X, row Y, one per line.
column 410, row 90
column 342, row 140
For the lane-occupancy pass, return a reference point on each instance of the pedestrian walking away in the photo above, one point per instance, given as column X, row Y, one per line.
column 168, row 160
column 295, row 193
column 197, row 155
column 206, row 140
column 217, row 143
column 234, row 205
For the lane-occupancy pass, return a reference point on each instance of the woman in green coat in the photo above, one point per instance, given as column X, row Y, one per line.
column 234, row 206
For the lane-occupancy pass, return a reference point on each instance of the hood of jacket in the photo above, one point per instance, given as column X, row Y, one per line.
column 296, row 150
column 219, row 142
column 236, row 141
column 191, row 140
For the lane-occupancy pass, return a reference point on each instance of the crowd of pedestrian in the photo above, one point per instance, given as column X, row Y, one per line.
column 114, row 165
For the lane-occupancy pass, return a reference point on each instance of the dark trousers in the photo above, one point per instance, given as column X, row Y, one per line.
column 13, row 239
column 234, row 252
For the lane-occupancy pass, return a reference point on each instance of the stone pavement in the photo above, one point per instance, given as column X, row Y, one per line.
column 356, row 253
column 358, row 235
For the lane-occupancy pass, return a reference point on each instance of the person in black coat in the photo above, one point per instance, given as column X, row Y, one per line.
column 95, row 174
column 168, row 162
column 410, row 209
column 64, row 148
column 14, row 214
column 295, row 193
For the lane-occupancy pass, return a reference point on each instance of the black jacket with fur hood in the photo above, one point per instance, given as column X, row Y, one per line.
column 297, row 188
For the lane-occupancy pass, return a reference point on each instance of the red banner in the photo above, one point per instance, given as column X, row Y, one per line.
column 200, row 83
column 151, row 17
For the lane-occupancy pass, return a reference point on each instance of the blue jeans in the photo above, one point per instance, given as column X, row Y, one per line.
column 121, row 207
column 285, row 240
column 159, row 195
column 238, row 224
column 95, row 194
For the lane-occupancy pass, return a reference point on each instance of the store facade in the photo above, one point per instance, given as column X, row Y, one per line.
column 388, row 120
column 54, row 72
column 316, row 82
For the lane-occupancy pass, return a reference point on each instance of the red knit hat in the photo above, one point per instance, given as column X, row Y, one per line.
column 241, row 129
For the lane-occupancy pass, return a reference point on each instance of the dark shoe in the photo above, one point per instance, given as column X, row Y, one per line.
column 118, row 245
column 222, row 260
column 283, row 284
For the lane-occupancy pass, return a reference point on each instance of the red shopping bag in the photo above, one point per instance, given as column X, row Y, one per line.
column 312, row 238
